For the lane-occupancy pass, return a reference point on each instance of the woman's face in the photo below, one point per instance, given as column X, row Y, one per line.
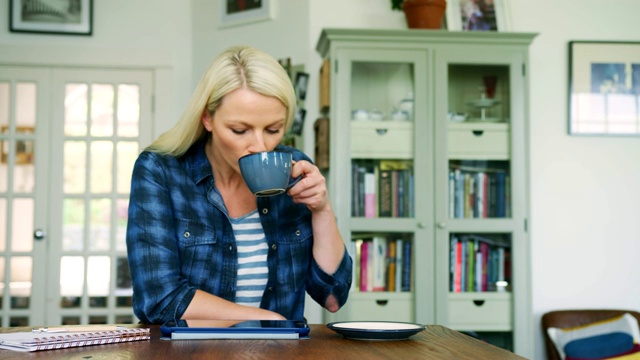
column 245, row 122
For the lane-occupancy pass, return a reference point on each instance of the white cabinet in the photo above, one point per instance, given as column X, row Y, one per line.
column 427, row 176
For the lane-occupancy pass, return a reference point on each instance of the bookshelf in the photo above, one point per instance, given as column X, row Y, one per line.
column 427, row 148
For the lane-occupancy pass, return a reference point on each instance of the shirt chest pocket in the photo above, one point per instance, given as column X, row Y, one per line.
column 198, row 248
column 192, row 233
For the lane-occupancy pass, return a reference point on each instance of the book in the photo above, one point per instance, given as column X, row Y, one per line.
column 369, row 195
column 391, row 267
column 385, row 201
column 36, row 341
column 364, row 257
column 379, row 263
column 501, row 194
column 406, row 266
column 471, row 256
column 399, row 264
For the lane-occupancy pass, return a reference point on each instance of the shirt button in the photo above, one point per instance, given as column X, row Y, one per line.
column 230, row 247
column 297, row 232
column 186, row 234
column 274, row 246
column 270, row 288
column 265, row 211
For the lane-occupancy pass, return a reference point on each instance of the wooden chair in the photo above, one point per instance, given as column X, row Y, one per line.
column 572, row 318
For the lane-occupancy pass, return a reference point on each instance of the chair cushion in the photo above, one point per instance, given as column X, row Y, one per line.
column 598, row 340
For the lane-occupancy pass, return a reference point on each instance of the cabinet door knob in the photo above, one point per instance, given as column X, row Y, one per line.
column 441, row 225
column 422, row 225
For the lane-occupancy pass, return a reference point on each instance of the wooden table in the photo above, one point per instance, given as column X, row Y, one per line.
column 436, row 342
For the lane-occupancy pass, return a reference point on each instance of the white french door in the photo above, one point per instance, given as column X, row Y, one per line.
column 24, row 124
column 90, row 127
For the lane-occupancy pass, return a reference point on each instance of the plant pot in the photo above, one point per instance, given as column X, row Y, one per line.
column 424, row 14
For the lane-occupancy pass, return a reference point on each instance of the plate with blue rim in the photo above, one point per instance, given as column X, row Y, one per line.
column 375, row 330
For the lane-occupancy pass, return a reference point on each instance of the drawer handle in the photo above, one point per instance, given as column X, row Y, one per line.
column 478, row 132
column 381, row 131
column 382, row 302
column 478, row 302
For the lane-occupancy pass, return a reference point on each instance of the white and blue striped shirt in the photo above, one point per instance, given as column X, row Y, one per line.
column 253, row 272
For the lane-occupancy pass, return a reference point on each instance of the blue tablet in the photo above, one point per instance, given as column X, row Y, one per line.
column 235, row 329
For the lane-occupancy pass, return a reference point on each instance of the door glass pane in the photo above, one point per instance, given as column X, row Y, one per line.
column 25, row 105
column 128, row 110
column 100, row 224
column 1, row 281
column 3, row 225
column 122, row 213
column 127, row 154
column 98, row 280
column 101, row 166
column 20, row 283
column 124, row 290
column 73, row 215
column 102, row 109
column 4, row 103
column 478, row 145
column 71, row 280
column 4, row 173
column 74, row 167
column 382, row 139
column 24, row 171
column 22, row 225
column 75, row 109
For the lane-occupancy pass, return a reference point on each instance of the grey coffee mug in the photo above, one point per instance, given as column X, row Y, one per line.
column 267, row 173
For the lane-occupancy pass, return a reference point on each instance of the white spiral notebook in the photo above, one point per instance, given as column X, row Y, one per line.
column 35, row 341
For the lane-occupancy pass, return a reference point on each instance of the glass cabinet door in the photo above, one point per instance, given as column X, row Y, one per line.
column 382, row 125
column 479, row 129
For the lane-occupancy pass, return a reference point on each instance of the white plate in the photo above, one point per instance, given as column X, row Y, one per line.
column 375, row 330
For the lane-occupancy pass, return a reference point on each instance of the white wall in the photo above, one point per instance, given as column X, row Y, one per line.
column 584, row 200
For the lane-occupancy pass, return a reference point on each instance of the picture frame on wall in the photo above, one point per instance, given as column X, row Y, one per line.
column 478, row 15
column 300, row 85
column 604, row 88
column 298, row 121
column 63, row 17
column 240, row 12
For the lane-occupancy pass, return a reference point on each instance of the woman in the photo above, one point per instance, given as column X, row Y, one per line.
column 200, row 244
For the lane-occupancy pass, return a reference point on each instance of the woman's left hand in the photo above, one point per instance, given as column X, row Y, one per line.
column 311, row 190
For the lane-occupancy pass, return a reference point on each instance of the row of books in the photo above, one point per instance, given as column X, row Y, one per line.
column 479, row 193
column 479, row 263
column 382, row 264
column 382, row 188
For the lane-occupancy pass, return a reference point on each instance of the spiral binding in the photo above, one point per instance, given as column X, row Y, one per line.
column 91, row 338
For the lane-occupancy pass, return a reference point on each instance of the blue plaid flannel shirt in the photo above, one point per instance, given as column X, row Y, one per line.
column 179, row 239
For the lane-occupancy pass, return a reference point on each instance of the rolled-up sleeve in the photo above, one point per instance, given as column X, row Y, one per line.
column 320, row 284
column 159, row 292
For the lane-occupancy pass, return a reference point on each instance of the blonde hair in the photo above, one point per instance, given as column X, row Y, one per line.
column 237, row 67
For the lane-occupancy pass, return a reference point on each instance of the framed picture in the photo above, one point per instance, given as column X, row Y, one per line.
column 478, row 15
column 300, row 85
column 604, row 88
column 298, row 121
column 70, row 17
column 239, row 12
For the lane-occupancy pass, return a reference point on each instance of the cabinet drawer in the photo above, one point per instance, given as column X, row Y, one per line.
column 478, row 141
column 378, row 308
column 382, row 139
column 480, row 311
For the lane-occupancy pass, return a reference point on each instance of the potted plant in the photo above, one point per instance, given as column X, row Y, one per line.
column 422, row 14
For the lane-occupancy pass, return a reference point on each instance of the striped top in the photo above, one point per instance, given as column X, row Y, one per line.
column 252, row 246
